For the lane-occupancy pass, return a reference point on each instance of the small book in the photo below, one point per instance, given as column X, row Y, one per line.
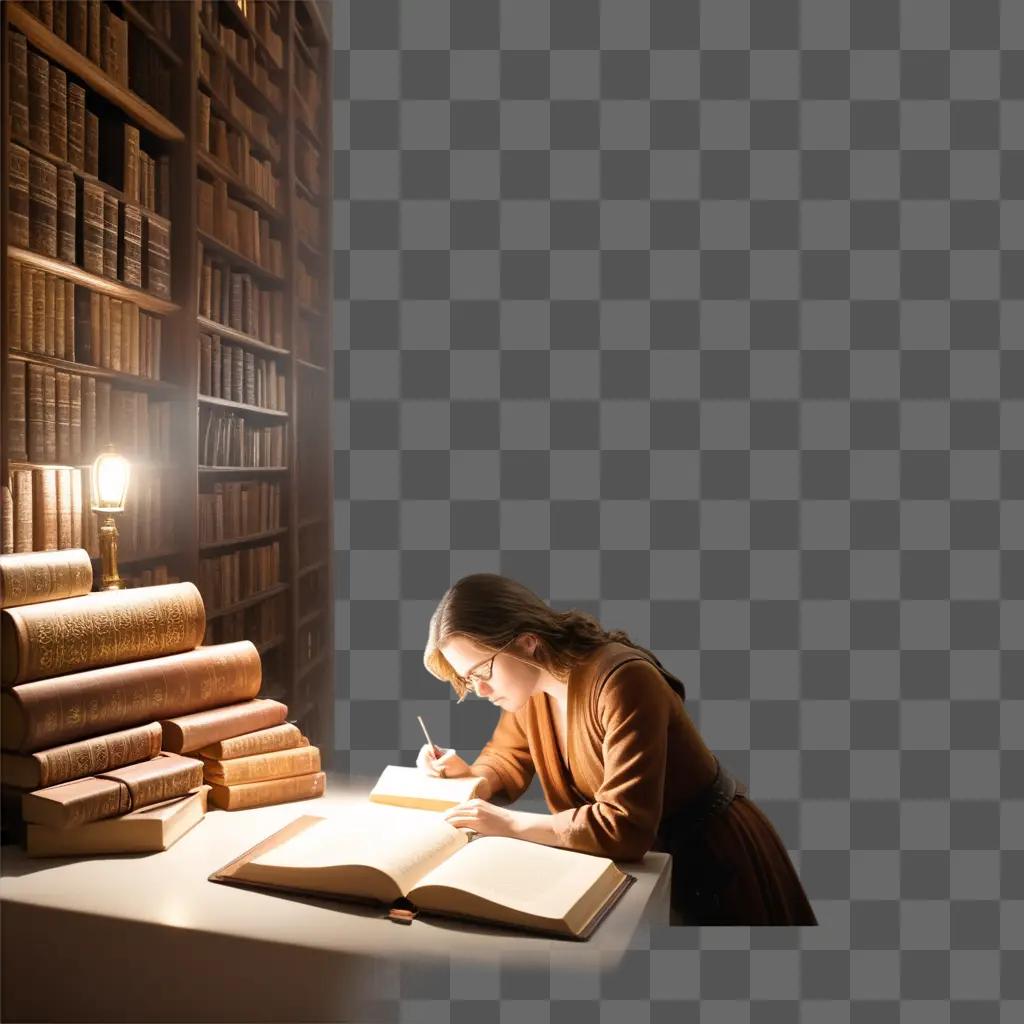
column 412, row 860
column 146, row 830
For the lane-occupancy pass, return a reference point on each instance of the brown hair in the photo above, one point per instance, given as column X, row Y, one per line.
column 492, row 610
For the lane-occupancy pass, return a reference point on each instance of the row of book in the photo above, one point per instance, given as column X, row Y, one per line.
column 232, row 148
column 232, row 372
column 232, row 298
column 260, row 17
column 307, row 285
column 226, row 100
column 310, row 342
column 262, row 623
column 230, row 439
column 307, row 164
column 111, row 706
column 237, row 226
column 235, row 509
column 83, row 224
column 49, row 508
column 237, row 575
column 54, row 416
column 241, row 49
column 50, row 316
column 307, row 84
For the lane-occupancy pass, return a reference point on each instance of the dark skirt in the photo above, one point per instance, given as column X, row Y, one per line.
column 733, row 870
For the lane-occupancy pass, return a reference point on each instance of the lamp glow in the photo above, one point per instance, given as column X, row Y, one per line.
column 110, row 475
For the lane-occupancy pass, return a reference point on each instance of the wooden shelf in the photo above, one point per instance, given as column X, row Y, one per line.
column 250, row 30
column 226, row 403
column 85, row 176
column 241, row 542
column 311, row 311
column 243, row 262
column 242, row 469
column 307, row 365
column 310, row 617
column 132, row 13
column 241, row 73
column 209, row 163
column 209, row 326
column 166, row 555
column 143, row 299
column 307, row 192
column 159, row 388
column 309, row 250
column 224, row 112
column 269, row 645
column 248, row 602
column 96, row 78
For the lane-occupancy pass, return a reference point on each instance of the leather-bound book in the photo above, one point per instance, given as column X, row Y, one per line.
column 49, row 315
column 146, row 830
column 110, row 211
column 44, row 528
column 56, row 306
column 116, row 324
column 92, row 144
column 263, row 794
column 58, row 112
column 69, row 321
column 44, row 576
column 76, row 125
column 285, row 736
column 60, row 18
column 14, row 315
column 39, row 101
column 237, row 374
column 45, row 8
column 103, row 435
column 42, row 203
column 280, row 764
column 78, row 25
column 249, row 376
column 115, row 792
column 131, row 235
column 63, row 417
column 6, row 520
column 76, row 507
column 21, row 491
column 88, row 418
column 18, row 196
column 67, row 214
column 81, row 758
column 39, row 312
column 19, row 87
column 94, row 35
column 106, row 628
column 158, row 257
column 16, row 421
column 130, row 168
column 50, row 413
column 63, row 506
column 186, row 733
column 104, row 333
column 36, row 431
column 92, row 227
column 50, row 712
column 75, row 452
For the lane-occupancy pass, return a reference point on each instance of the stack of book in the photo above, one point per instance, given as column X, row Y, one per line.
column 104, row 697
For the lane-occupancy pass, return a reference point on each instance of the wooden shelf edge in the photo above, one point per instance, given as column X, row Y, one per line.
column 116, row 289
column 96, row 78
column 252, row 538
column 242, row 469
column 227, row 403
column 208, row 326
column 128, row 380
column 247, row 602
column 225, row 252
column 150, row 31
column 212, row 165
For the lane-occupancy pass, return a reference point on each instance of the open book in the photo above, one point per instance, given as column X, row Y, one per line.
column 413, row 860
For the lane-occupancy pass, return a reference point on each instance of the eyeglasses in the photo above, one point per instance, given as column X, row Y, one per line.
column 473, row 677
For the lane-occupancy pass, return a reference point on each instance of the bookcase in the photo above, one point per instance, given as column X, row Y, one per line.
column 166, row 169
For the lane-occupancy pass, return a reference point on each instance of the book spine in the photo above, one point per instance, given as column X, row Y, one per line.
column 78, row 25
column 44, row 576
column 278, row 737
column 76, row 803
column 76, row 508
column 92, row 144
column 39, row 101
column 63, row 418
column 130, row 172
column 71, row 707
column 264, row 794
column 67, row 214
column 50, row 414
column 192, row 732
column 76, row 125
column 42, row 206
column 18, row 191
column 39, row 312
column 21, row 492
column 94, row 34
column 58, row 112
column 131, row 234
column 19, row 87
column 7, row 520
column 49, row 314
column 14, row 312
column 69, row 320
column 17, row 426
column 63, row 475
column 281, row 764
column 158, row 253
column 44, row 509
column 110, row 211
column 92, row 227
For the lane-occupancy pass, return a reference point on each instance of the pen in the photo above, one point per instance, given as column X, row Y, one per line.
column 433, row 746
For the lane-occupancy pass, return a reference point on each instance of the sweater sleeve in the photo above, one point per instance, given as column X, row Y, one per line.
column 506, row 760
column 622, row 822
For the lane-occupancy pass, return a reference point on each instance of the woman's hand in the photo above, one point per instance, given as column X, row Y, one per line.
column 449, row 765
column 482, row 817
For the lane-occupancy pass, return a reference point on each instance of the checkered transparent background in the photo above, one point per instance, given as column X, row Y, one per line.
column 707, row 318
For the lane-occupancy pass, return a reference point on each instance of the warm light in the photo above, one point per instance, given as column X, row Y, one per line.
column 110, row 473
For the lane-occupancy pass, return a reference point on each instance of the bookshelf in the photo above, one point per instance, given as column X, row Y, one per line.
column 232, row 470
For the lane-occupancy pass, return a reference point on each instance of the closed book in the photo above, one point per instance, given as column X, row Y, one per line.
column 116, row 325
column 49, row 317
column 104, row 336
column 92, row 227
column 63, row 417
column 42, row 203
column 157, row 245
column 69, row 321
column 186, row 733
column 76, row 507
column 7, row 520
column 110, row 219
column 75, row 457
column 88, row 418
column 264, row 794
column 19, row 86
column 14, row 313
column 50, row 414
column 94, row 35
column 131, row 237
column 76, row 125
column 21, row 491
column 53, row 711
column 145, row 830
column 39, row 101
column 114, row 792
column 38, row 311
column 58, row 112
column 83, row 757
column 44, row 525
column 40, row 576
column 237, row 375
column 205, row 364
column 278, row 737
column 67, row 214
column 63, row 507
column 18, row 196
column 45, row 15
column 57, row 307
column 17, row 424
column 92, row 144
column 78, row 25
column 60, row 18
column 106, row 628
column 130, row 170
column 281, row 764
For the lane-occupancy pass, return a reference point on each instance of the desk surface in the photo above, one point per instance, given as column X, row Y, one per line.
column 171, row 889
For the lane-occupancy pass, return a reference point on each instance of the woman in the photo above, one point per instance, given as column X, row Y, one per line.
column 622, row 766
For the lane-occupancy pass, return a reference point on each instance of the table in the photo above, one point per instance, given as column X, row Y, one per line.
column 147, row 937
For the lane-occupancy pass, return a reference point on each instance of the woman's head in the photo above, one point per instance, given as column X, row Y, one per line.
column 503, row 636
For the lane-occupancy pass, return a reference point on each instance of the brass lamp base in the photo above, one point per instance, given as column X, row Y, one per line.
column 108, row 553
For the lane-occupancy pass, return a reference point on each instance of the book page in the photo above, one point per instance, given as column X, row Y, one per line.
column 410, row 787
column 529, row 877
column 405, row 844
